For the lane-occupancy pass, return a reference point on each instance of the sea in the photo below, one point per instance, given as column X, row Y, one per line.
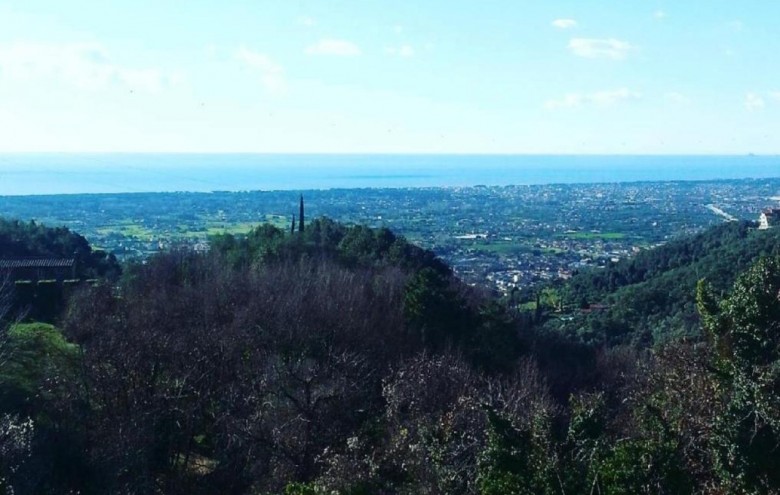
column 49, row 174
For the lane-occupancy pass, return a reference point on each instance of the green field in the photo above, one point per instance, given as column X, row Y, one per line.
column 217, row 228
column 128, row 228
column 197, row 230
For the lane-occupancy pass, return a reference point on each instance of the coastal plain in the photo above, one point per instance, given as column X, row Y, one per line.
column 499, row 236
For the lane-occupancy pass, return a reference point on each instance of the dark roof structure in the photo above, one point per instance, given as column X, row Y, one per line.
column 12, row 264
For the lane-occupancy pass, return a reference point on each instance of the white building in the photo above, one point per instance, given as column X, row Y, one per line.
column 770, row 217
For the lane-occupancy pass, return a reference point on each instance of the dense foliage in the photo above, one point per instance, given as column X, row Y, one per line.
column 649, row 298
column 355, row 245
column 344, row 360
column 32, row 240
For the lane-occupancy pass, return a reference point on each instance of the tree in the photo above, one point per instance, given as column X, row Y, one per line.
column 745, row 328
column 16, row 437
column 301, row 226
column 26, row 240
column 6, row 302
column 433, row 310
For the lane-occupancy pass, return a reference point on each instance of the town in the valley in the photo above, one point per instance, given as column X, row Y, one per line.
column 502, row 237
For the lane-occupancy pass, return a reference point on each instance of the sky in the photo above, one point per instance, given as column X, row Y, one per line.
column 370, row 76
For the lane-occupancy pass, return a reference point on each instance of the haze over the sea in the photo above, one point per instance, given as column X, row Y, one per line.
column 27, row 174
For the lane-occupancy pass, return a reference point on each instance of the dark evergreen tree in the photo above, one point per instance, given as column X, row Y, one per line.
column 292, row 229
column 300, row 217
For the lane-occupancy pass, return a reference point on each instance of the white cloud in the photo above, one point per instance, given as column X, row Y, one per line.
column 570, row 100
column 87, row 66
column 754, row 102
column 401, row 51
column 339, row 48
column 660, row 14
column 599, row 98
column 676, row 98
column 614, row 96
column 564, row 23
column 271, row 73
column 775, row 95
column 600, row 48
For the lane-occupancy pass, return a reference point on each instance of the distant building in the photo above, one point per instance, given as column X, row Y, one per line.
column 38, row 269
column 769, row 218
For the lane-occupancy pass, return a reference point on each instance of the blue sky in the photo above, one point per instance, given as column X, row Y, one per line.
column 369, row 76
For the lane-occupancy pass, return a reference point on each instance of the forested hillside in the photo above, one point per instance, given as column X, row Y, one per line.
column 20, row 240
column 650, row 298
column 342, row 359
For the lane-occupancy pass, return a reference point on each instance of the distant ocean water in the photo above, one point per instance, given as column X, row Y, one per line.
column 29, row 174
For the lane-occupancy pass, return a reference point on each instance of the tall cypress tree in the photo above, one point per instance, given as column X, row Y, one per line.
column 292, row 229
column 300, row 217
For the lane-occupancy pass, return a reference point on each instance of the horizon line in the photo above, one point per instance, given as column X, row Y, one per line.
column 381, row 153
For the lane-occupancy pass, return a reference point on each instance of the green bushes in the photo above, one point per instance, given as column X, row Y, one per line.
column 35, row 352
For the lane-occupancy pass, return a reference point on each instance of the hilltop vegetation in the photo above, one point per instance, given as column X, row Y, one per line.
column 32, row 240
column 324, row 238
column 344, row 359
column 650, row 298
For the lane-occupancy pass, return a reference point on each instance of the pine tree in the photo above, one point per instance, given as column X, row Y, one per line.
column 292, row 229
column 300, row 217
